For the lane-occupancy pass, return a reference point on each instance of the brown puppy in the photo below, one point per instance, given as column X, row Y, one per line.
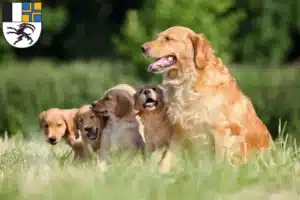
column 151, row 104
column 122, row 129
column 90, row 127
column 205, row 100
column 59, row 123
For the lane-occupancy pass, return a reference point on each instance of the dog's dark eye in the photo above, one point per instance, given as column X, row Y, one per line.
column 59, row 125
column 167, row 38
column 92, row 117
column 46, row 125
column 154, row 89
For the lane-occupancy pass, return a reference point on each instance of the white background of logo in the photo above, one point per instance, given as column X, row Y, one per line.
column 24, row 43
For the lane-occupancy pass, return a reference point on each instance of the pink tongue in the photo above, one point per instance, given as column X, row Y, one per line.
column 159, row 64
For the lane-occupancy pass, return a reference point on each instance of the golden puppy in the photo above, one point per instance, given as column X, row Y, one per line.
column 151, row 104
column 59, row 123
column 90, row 127
column 122, row 129
column 205, row 101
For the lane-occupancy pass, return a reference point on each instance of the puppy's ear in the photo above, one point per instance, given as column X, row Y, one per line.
column 124, row 105
column 135, row 100
column 164, row 94
column 41, row 118
column 203, row 52
column 76, row 127
column 69, row 119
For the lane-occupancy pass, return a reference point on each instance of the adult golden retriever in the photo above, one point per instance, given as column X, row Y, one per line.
column 205, row 102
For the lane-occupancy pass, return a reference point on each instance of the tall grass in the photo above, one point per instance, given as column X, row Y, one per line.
column 34, row 170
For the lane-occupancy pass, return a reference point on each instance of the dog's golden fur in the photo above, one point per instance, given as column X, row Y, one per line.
column 151, row 104
column 90, row 128
column 59, row 124
column 122, row 129
column 205, row 101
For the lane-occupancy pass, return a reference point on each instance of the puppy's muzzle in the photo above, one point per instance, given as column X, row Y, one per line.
column 52, row 140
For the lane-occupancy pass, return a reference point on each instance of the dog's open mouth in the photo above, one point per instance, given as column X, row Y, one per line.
column 150, row 103
column 92, row 135
column 162, row 64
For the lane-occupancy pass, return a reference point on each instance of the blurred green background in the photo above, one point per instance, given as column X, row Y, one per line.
column 88, row 46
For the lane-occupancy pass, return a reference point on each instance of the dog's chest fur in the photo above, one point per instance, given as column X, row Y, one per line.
column 121, row 133
column 194, row 113
column 157, row 129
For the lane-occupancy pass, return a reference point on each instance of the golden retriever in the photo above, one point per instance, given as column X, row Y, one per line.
column 151, row 104
column 59, row 123
column 122, row 129
column 205, row 102
column 90, row 128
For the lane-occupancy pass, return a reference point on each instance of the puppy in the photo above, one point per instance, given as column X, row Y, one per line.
column 151, row 104
column 122, row 129
column 90, row 127
column 59, row 124
column 205, row 101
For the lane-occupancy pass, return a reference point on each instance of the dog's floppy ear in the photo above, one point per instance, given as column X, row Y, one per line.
column 163, row 93
column 135, row 100
column 69, row 119
column 124, row 104
column 41, row 118
column 203, row 52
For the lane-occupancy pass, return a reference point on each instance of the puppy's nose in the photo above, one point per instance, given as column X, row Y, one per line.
column 52, row 139
column 88, row 128
column 93, row 105
column 146, row 92
column 144, row 48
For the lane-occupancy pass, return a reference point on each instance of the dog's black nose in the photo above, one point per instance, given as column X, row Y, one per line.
column 88, row 128
column 52, row 139
column 93, row 105
column 146, row 92
column 144, row 48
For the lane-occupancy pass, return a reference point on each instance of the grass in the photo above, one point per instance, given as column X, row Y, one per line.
column 31, row 169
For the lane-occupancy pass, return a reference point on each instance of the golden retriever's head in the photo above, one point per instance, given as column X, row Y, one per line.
column 54, row 125
column 178, row 51
column 88, row 123
column 115, row 103
column 150, row 98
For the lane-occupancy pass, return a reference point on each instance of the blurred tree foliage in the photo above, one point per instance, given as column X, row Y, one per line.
column 268, row 32
column 209, row 17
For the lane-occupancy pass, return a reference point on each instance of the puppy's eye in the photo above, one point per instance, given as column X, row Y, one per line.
column 154, row 89
column 59, row 125
column 92, row 117
column 107, row 98
column 46, row 125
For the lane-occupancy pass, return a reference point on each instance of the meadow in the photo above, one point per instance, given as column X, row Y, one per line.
column 31, row 169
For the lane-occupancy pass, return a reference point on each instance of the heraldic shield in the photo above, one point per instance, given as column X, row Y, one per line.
column 22, row 23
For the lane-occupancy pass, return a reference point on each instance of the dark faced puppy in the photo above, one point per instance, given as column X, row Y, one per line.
column 150, row 101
